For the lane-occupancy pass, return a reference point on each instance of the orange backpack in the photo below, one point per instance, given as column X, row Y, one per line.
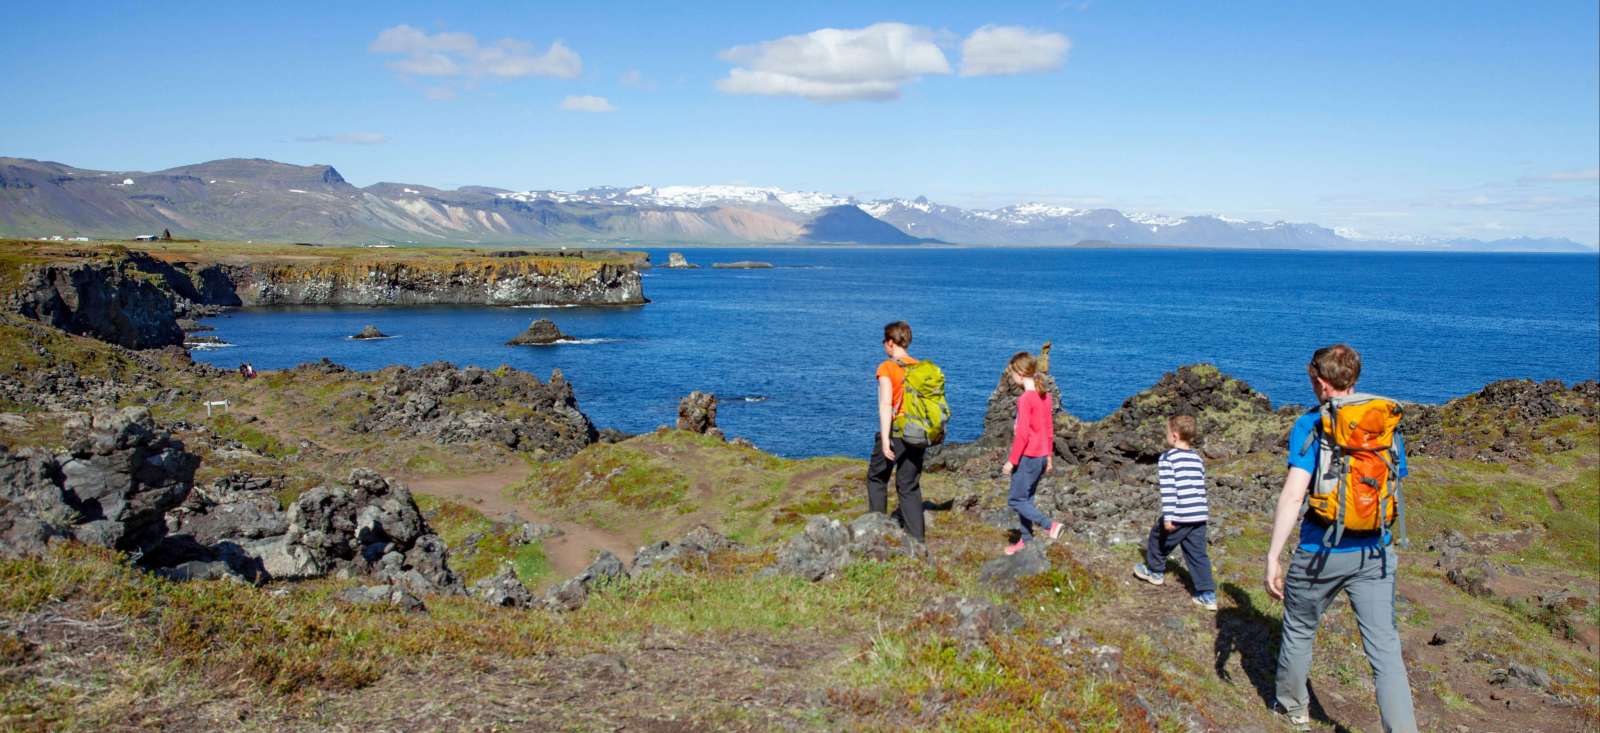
column 1357, row 485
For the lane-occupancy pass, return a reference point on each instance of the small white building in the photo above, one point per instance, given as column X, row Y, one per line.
column 147, row 238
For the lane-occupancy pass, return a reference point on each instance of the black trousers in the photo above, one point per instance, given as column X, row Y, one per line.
column 907, row 470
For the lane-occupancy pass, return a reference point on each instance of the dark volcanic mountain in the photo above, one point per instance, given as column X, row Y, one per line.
column 267, row 200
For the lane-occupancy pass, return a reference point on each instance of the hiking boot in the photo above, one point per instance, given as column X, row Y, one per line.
column 1145, row 574
column 1055, row 530
column 1300, row 722
column 1207, row 600
column 1016, row 548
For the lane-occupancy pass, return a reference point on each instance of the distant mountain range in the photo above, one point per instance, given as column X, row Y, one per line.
column 267, row 200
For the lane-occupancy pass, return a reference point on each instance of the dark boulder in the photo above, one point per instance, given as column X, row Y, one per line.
column 370, row 332
column 503, row 589
column 697, row 413
column 111, row 488
column 539, row 333
column 572, row 594
column 1005, row 573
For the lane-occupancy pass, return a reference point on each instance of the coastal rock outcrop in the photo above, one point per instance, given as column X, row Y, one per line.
column 118, row 477
column 742, row 265
column 826, row 545
column 697, row 413
column 539, row 333
column 369, row 332
column 485, row 281
column 676, row 261
column 451, row 405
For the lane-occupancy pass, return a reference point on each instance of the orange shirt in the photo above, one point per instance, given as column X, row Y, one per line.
column 897, row 382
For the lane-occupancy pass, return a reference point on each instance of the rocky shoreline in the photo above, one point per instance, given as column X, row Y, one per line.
column 139, row 300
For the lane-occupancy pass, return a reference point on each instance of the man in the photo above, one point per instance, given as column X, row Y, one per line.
column 890, row 454
column 1362, row 564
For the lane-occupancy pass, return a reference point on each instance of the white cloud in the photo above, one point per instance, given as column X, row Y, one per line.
column 1586, row 175
column 833, row 64
column 461, row 55
column 1009, row 49
column 587, row 103
column 347, row 138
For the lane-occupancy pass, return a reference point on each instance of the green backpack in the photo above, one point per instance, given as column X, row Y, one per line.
column 922, row 420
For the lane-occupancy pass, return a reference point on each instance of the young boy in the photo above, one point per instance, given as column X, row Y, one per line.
column 890, row 454
column 1183, row 514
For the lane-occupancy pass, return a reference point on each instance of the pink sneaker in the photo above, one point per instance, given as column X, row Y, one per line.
column 1056, row 529
column 1016, row 548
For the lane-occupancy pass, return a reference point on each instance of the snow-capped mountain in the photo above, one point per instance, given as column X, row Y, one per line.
column 263, row 199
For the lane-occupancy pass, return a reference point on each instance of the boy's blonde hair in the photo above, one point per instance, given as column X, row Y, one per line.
column 1023, row 364
column 1338, row 365
column 1184, row 427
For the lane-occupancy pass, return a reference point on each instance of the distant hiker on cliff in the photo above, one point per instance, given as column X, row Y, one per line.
column 911, row 417
column 1032, row 451
column 1182, row 477
column 1346, row 461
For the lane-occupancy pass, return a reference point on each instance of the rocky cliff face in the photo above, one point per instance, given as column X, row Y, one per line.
column 134, row 300
column 487, row 282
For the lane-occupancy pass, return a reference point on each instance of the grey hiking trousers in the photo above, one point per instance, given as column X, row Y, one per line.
column 1367, row 577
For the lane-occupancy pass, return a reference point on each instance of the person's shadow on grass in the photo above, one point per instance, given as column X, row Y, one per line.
column 1253, row 635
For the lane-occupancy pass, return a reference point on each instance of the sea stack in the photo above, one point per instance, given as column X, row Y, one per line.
column 539, row 333
column 676, row 261
column 370, row 332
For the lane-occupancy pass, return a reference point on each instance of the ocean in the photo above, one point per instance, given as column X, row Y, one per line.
column 791, row 351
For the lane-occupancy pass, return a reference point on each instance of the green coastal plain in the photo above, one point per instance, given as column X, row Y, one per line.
column 1499, row 590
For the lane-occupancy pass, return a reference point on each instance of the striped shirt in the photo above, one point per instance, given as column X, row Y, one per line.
column 1183, row 486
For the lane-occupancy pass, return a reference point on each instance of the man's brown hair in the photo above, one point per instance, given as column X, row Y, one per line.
column 1338, row 365
column 1184, row 426
column 899, row 333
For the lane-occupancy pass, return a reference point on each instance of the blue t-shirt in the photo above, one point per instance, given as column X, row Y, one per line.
column 1310, row 533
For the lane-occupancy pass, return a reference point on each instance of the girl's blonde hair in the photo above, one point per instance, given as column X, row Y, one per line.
column 1023, row 365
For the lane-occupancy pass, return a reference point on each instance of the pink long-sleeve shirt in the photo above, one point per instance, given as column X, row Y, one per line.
column 1035, row 429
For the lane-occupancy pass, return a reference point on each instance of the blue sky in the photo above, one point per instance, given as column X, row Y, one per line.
column 1477, row 119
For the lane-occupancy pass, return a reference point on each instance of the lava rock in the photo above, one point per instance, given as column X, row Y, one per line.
column 539, row 333
column 370, row 332
column 387, row 595
column 1006, row 572
column 693, row 549
column 503, row 589
column 572, row 594
column 971, row 620
column 697, row 413
column 826, row 545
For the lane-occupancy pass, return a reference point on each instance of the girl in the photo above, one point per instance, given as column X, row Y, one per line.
column 1032, row 450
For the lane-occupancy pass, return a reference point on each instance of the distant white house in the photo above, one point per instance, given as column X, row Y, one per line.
column 147, row 237
column 78, row 239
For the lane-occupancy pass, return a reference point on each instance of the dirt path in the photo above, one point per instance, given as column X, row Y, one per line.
column 568, row 554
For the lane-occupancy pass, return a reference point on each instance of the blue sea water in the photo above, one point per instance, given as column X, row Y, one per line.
column 791, row 350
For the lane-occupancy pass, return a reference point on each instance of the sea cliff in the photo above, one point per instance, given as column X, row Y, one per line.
column 136, row 299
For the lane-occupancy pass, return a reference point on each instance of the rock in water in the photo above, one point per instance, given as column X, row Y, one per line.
column 370, row 332
column 742, row 265
column 697, row 413
column 676, row 261
column 539, row 333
